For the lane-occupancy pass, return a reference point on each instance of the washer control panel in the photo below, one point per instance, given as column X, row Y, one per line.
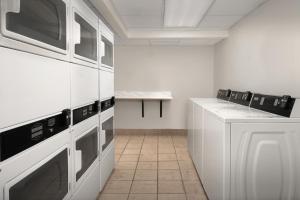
column 280, row 105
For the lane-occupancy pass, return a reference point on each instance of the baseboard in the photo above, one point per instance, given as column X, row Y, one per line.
column 151, row 131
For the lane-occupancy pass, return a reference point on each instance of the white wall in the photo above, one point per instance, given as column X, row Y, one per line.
column 263, row 51
column 186, row 71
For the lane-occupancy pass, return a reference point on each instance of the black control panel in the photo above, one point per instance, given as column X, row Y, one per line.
column 242, row 98
column 85, row 112
column 224, row 94
column 107, row 104
column 280, row 105
column 21, row 138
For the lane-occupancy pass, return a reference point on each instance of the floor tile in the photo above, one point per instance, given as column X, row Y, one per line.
column 129, row 157
column 169, row 175
column 144, row 187
column 113, row 197
column 117, row 187
column 118, row 151
column 123, row 175
column 167, row 157
column 183, row 156
column 168, row 165
column 170, row 187
column 126, row 165
column 183, row 164
column 166, row 150
column 189, row 175
column 145, row 175
column 171, row 197
column 148, row 157
column 193, row 187
column 142, row 197
column 131, row 151
column 196, row 197
column 147, row 165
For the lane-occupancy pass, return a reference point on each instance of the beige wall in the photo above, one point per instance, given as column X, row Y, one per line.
column 263, row 51
column 186, row 71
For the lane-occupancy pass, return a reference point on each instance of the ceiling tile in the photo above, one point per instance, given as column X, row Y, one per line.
column 139, row 7
column 234, row 7
column 146, row 21
column 220, row 22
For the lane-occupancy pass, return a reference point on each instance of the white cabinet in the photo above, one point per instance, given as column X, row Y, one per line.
column 265, row 161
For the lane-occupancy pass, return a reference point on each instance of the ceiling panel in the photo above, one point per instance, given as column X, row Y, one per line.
column 234, row 7
column 146, row 21
column 139, row 7
column 220, row 22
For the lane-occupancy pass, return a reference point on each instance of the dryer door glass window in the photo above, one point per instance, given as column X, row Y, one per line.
column 107, row 59
column 107, row 127
column 43, row 20
column 88, row 39
column 48, row 182
column 88, row 145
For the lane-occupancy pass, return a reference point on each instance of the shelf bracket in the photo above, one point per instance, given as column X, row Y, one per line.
column 160, row 108
column 143, row 109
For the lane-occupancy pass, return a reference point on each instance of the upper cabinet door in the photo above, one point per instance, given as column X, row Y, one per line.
column 84, row 34
column 41, row 23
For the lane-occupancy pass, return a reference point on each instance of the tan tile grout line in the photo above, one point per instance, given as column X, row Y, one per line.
column 180, row 171
column 135, row 167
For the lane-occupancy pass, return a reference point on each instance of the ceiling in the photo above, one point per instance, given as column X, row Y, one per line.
column 141, row 22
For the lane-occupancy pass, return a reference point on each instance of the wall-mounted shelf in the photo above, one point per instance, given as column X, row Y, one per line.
column 143, row 96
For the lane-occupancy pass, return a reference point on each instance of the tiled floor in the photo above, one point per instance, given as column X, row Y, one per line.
column 153, row 167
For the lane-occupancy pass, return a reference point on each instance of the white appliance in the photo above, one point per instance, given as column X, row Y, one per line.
column 84, row 42
column 106, row 47
column 194, row 126
column 107, row 145
column 251, row 154
column 106, row 84
column 86, row 167
column 39, row 27
column 38, row 168
column 84, row 85
column 33, row 87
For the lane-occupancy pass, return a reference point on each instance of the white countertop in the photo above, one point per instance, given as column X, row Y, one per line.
column 139, row 95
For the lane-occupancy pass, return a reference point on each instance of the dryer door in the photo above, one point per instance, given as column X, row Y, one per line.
column 42, row 23
column 47, row 181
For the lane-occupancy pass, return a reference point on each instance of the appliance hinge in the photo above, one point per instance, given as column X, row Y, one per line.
column 69, row 186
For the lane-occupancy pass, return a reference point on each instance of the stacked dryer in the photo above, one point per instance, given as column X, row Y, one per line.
column 35, row 100
column 107, row 100
column 49, row 111
column 84, row 102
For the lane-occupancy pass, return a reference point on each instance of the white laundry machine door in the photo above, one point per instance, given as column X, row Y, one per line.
column 106, row 84
column 265, row 161
column 22, row 99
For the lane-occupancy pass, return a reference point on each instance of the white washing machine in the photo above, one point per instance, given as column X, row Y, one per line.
column 35, row 160
column 195, row 123
column 38, row 27
column 249, row 153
